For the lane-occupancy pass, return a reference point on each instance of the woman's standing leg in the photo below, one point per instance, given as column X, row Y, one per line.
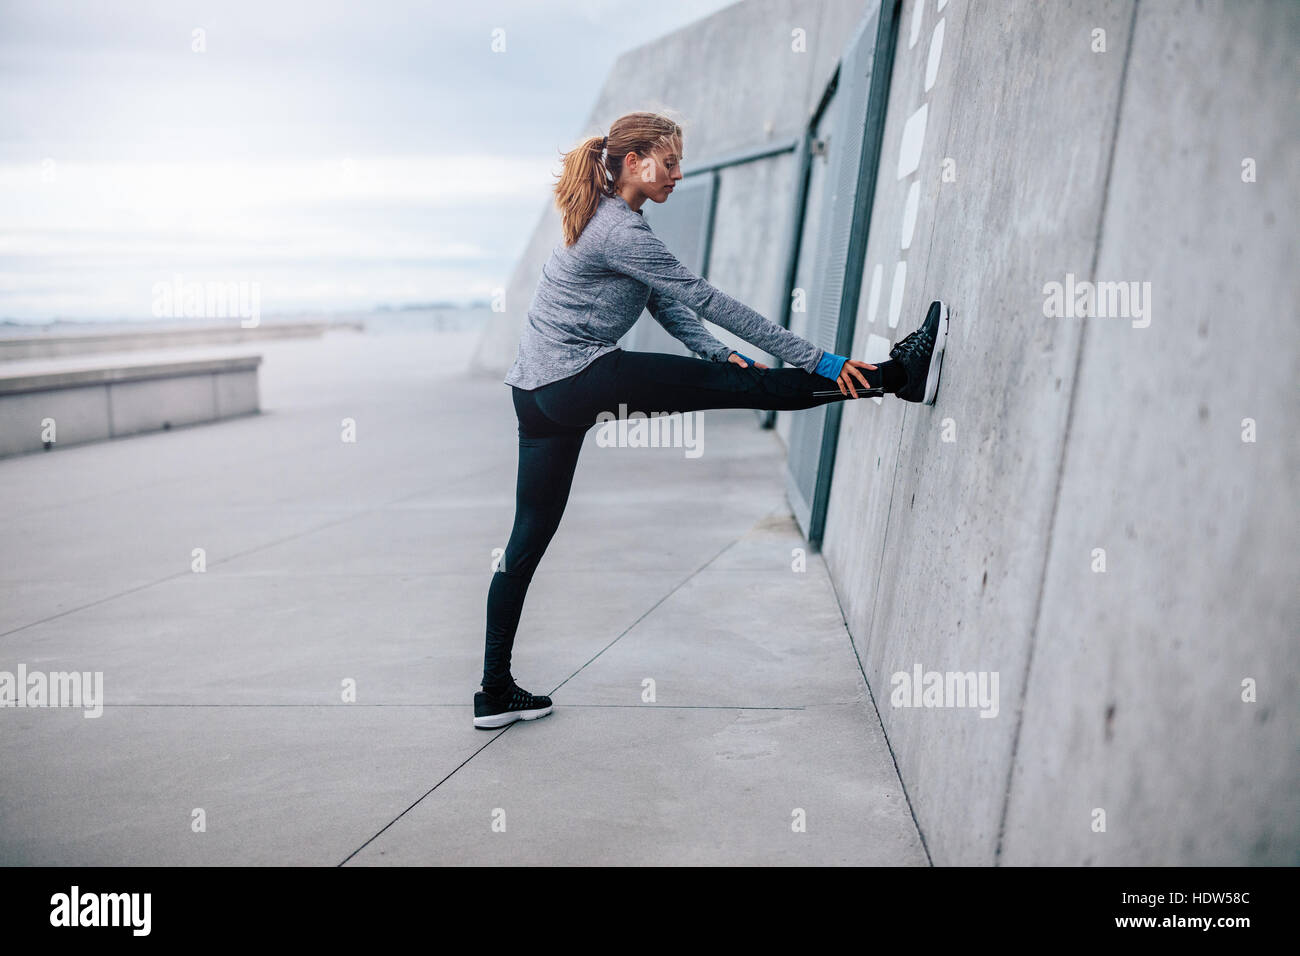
column 548, row 456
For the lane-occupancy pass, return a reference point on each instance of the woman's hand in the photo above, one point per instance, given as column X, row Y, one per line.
column 849, row 372
column 740, row 360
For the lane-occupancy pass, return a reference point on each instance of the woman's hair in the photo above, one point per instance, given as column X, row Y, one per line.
column 592, row 168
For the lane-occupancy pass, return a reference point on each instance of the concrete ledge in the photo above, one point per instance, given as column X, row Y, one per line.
column 49, row 345
column 126, row 373
column 91, row 404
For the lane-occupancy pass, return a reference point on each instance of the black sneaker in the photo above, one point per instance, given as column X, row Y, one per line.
column 513, row 704
column 921, row 355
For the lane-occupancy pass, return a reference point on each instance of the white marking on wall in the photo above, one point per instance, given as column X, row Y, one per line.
column 873, row 300
column 876, row 353
column 909, row 214
column 918, row 8
column 896, row 294
column 911, row 147
column 936, row 54
column 909, row 151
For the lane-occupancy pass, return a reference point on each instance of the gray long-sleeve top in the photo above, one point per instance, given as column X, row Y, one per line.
column 591, row 293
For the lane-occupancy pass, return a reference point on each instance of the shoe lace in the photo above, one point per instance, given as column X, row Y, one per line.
column 917, row 341
column 520, row 698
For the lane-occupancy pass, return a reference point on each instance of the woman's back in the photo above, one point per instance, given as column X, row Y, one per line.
column 581, row 307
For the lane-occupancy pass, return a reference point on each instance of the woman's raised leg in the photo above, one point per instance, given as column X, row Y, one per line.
column 656, row 383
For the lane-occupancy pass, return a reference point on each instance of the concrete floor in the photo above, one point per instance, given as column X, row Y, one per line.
column 329, row 561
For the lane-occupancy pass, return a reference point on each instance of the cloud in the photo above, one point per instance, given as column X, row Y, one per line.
column 328, row 134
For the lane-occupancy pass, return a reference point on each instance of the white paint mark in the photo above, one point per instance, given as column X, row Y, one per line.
column 942, row 4
column 936, row 53
column 917, row 9
column 909, row 151
column 896, row 295
column 909, row 214
column 873, row 300
column 877, row 352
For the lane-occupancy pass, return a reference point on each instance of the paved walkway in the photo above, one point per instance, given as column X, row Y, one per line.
column 330, row 562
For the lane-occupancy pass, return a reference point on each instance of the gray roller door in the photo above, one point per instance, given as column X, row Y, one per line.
column 841, row 242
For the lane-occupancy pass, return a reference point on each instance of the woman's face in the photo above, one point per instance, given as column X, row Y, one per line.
column 657, row 174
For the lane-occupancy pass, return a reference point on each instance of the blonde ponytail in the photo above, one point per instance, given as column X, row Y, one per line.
column 581, row 184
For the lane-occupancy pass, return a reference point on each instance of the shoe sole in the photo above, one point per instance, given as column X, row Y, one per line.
column 493, row 721
column 936, row 357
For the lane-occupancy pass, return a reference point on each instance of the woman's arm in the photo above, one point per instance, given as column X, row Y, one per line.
column 683, row 325
column 633, row 249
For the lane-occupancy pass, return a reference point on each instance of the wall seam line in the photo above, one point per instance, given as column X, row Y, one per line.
column 902, row 426
column 889, row 508
column 1065, row 442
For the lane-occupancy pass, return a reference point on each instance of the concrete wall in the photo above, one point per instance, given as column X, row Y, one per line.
column 1200, row 527
column 1120, row 690
column 92, row 404
column 736, row 83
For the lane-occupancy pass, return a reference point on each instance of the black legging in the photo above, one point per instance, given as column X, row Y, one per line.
column 554, row 418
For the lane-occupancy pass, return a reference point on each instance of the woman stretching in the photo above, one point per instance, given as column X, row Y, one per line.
column 570, row 369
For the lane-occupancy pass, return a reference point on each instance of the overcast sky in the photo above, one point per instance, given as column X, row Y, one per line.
column 342, row 154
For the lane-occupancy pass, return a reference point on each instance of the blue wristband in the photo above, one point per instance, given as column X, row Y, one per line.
column 744, row 356
column 831, row 365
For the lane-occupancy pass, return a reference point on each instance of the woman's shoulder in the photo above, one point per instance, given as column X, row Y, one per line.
column 618, row 222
